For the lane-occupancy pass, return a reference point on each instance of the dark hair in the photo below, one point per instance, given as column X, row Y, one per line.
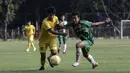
column 62, row 14
column 51, row 9
column 75, row 13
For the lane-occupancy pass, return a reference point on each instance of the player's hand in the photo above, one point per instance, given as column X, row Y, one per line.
column 107, row 20
column 59, row 26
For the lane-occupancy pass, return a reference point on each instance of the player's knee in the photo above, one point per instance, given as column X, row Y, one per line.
column 82, row 45
column 85, row 55
column 79, row 45
column 30, row 41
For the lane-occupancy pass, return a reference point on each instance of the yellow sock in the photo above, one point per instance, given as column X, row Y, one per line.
column 29, row 45
column 43, row 63
column 33, row 45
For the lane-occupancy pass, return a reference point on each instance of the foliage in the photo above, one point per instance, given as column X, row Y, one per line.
column 8, row 9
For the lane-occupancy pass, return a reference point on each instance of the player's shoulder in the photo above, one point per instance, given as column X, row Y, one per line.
column 45, row 20
column 84, row 21
column 25, row 27
column 55, row 18
column 31, row 25
column 65, row 21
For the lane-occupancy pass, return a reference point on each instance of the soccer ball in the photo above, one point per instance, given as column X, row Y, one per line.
column 55, row 60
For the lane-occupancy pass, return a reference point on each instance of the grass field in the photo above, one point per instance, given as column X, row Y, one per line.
column 113, row 56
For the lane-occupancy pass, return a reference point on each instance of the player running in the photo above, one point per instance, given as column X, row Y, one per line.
column 48, row 36
column 82, row 29
column 60, row 37
column 30, row 31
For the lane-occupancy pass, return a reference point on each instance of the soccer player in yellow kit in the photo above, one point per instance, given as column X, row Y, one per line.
column 48, row 36
column 30, row 31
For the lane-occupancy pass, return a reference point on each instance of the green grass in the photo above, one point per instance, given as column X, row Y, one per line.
column 112, row 56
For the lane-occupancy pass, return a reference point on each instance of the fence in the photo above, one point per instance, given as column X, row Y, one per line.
column 105, row 31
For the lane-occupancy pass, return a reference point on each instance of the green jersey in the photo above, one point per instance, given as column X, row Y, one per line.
column 83, row 30
column 62, row 23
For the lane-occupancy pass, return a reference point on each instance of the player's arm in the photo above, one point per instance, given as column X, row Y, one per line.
column 58, row 26
column 51, row 30
column 34, row 30
column 56, row 32
column 24, row 28
column 103, row 22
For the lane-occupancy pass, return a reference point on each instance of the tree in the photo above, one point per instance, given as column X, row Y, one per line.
column 119, row 10
column 8, row 10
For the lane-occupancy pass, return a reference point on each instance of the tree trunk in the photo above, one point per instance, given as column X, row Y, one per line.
column 5, row 32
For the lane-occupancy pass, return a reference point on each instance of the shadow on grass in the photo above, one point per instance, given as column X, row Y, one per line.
column 60, row 71
column 33, row 71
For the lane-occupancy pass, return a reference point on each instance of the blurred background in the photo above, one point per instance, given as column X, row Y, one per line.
column 14, row 15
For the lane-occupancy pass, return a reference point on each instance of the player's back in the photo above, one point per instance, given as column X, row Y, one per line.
column 29, row 29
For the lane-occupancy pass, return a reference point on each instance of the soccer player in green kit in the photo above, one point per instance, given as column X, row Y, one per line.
column 82, row 29
column 62, row 38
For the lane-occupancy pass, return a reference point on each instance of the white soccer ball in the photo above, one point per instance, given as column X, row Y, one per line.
column 55, row 60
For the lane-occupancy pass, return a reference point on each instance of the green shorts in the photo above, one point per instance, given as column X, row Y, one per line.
column 60, row 37
column 88, row 45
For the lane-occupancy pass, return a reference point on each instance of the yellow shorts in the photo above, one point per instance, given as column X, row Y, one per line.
column 30, row 38
column 51, row 43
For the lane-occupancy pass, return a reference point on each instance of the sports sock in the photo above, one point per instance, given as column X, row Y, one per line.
column 78, row 53
column 33, row 45
column 43, row 63
column 91, row 59
column 29, row 45
column 65, row 48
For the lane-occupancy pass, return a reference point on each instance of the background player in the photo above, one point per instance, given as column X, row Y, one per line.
column 60, row 37
column 30, row 31
column 48, row 36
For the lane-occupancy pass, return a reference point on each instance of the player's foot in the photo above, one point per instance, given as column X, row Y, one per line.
column 95, row 65
column 41, row 68
column 34, row 49
column 27, row 50
column 50, row 62
column 75, row 64
column 58, row 51
column 64, row 53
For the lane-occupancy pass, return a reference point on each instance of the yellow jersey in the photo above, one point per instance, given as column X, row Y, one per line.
column 29, row 29
column 46, row 24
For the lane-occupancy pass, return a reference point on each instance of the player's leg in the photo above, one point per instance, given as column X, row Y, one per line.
column 59, row 43
column 79, row 45
column 86, row 54
column 53, row 49
column 43, row 60
column 29, row 44
column 42, row 48
column 32, row 42
column 65, row 45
